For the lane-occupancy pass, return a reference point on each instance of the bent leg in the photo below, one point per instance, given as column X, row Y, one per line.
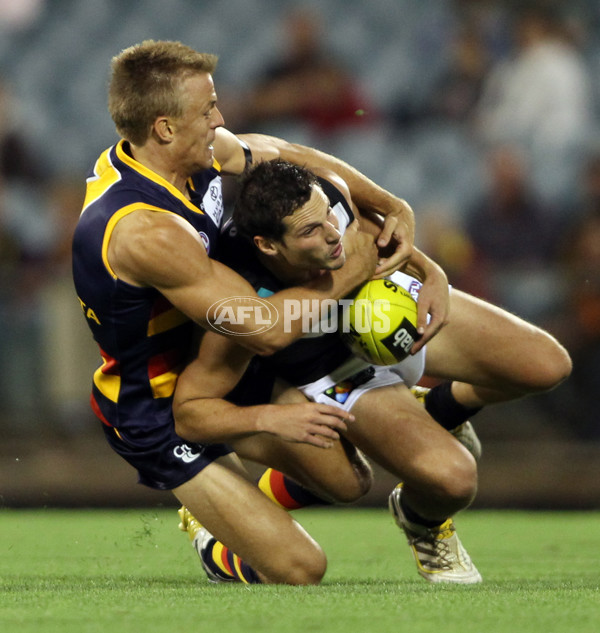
column 339, row 474
column 439, row 475
column 263, row 535
column 498, row 354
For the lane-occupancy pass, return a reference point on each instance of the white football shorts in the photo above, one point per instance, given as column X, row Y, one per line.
column 346, row 384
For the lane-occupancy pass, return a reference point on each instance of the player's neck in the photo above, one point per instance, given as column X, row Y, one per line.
column 157, row 163
column 287, row 274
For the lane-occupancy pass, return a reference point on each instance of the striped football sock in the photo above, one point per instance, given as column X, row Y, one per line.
column 285, row 492
column 227, row 565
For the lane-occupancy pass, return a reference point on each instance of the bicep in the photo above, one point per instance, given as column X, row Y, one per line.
column 163, row 251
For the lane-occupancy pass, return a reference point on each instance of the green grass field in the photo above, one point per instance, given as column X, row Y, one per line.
column 133, row 571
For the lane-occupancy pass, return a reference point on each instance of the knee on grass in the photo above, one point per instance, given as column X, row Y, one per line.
column 306, row 567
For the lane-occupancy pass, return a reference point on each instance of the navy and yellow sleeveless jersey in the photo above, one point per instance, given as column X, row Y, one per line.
column 144, row 341
column 312, row 356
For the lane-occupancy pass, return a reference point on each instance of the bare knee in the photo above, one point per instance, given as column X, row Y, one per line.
column 559, row 366
column 457, row 479
column 550, row 366
column 306, row 567
column 449, row 480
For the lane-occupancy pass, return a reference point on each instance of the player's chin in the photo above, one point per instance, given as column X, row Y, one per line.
column 337, row 262
column 207, row 159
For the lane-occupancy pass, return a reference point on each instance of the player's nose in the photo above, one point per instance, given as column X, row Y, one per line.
column 217, row 118
column 332, row 235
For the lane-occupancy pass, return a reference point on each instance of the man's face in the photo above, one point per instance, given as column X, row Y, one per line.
column 195, row 129
column 311, row 240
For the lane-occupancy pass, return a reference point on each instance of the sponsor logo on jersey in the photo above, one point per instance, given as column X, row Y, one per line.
column 212, row 202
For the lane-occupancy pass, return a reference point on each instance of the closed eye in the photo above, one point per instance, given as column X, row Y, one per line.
column 310, row 230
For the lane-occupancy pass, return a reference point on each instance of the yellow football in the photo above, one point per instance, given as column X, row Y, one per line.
column 379, row 322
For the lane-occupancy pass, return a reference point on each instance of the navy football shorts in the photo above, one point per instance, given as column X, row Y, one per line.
column 164, row 460
column 168, row 462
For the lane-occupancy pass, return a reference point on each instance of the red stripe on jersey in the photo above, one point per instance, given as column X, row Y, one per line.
column 110, row 366
column 98, row 413
column 165, row 362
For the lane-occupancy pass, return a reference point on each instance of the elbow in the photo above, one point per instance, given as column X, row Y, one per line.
column 267, row 343
column 183, row 430
column 184, row 426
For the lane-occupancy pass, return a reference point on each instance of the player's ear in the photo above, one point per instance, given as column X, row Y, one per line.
column 265, row 245
column 163, row 129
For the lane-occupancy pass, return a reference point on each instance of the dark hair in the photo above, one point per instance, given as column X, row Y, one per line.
column 270, row 191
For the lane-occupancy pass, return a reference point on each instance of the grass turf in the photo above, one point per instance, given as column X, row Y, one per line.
column 130, row 571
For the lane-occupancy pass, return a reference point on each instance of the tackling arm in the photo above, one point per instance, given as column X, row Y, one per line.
column 141, row 253
column 434, row 296
column 202, row 415
column 399, row 223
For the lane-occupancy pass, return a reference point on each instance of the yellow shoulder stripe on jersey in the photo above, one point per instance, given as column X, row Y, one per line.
column 105, row 176
column 120, row 214
column 148, row 173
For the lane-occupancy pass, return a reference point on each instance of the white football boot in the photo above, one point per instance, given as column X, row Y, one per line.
column 438, row 552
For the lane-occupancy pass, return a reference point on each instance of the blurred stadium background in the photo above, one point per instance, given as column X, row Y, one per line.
column 428, row 81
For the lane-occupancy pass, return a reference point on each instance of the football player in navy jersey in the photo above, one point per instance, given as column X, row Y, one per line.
column 145, row 277
column 288, row 226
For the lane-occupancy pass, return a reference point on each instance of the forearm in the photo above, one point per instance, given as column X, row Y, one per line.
column 294, row 310
column 364, row 192
column 423, row 267
column 214, row 420
column 210, row 420
column 301, row 305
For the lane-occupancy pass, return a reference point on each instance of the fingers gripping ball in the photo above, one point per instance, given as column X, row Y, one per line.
column 380, row 323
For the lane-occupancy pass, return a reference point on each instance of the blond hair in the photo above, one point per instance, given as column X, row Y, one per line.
column 146, row 83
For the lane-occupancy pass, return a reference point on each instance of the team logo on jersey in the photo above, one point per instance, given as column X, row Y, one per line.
column 242, row 316
column 185, row 453
column 205, row 240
